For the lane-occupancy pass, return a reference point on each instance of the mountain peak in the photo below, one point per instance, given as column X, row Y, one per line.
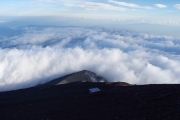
column 81, row 76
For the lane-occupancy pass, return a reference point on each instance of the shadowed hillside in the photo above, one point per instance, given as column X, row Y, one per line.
column 72, row 101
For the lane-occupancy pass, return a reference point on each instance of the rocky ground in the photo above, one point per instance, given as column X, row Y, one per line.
column 73, row 101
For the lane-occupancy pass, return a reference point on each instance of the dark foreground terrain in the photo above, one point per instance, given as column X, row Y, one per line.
column 72, row 101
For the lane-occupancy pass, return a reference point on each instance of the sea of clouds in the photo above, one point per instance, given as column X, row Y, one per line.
column 37, row 55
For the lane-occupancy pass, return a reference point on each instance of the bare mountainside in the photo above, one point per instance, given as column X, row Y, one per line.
column 81, row 76
column 72, row 101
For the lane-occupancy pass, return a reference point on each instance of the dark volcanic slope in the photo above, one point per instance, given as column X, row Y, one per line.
column 78, row 76
column 73, row 102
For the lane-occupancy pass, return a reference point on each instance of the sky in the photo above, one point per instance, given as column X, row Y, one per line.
column 158, row 11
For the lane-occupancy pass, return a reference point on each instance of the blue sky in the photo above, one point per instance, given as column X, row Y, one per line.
column 95, row 12
column 129, row 9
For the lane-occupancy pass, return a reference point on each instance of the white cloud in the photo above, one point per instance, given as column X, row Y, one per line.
column 177, row 6
column 96, row 6
column 57, row 1
column 60, row 2
column 42, row 55
column 132, row 5
column 160, row 6
column 84, row 4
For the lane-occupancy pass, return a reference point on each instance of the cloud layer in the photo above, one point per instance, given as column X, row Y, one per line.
column 160, row 6
column 177, row 6
column 42, row 54
column 131, row 5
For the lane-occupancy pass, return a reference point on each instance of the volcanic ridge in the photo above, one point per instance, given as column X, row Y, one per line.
column 68, row 98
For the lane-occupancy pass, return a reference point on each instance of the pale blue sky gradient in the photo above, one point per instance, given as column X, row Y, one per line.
column 133, row 9
column 92, row 12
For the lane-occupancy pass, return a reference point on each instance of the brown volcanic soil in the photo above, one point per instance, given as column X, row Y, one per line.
column 73, row 102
